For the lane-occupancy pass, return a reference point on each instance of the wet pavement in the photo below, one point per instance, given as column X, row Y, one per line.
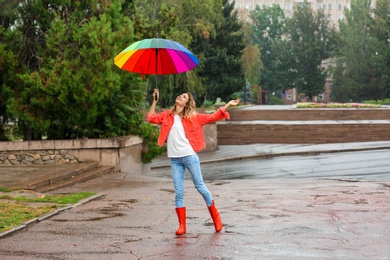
column 275, row 218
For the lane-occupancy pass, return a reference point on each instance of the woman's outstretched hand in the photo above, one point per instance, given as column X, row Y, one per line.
column 233, row 102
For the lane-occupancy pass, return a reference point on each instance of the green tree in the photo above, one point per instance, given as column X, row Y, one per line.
column 382, row 63
column 7, row 14
column 311, row 40
column 268, row 26
column 8, row 60
column 8, row 63
column 63, row 83
column 357, row 59
column 223, row 71
column 68, row 72
column 252, row 64
column 197, row 17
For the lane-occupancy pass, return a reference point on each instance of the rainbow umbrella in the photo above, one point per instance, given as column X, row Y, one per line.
column 156, row 56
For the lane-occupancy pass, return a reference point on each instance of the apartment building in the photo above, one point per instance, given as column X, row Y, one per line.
column 334, row 9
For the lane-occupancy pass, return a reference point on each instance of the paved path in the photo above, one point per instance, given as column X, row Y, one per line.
column 263, row 219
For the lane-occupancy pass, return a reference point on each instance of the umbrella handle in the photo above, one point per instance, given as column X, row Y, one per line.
column 155, row 94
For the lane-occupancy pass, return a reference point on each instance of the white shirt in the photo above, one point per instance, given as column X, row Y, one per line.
column 177, row 142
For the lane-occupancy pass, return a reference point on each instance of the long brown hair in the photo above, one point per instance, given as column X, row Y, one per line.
column 189, row 109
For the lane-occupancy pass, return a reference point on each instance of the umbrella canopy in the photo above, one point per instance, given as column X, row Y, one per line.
column 156, row 56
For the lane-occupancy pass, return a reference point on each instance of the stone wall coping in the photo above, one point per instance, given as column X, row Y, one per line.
column 116, row 142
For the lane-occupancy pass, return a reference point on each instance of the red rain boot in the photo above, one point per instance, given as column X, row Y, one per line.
column 181, row 215
column 216, row 217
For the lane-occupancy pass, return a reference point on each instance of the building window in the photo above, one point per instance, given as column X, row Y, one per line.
column 340, row 17
column 339, row 6
column 289, row 96
column 320, row 97
column 319, row 6
column 330, row 7
column 288, row 6
column 238, row 6
column 330, row 17
column 249, row 6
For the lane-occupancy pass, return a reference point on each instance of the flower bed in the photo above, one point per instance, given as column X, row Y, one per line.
column 336, row 105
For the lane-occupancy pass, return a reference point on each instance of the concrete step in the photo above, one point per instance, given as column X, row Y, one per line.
column 68, row 176
column 91, row 174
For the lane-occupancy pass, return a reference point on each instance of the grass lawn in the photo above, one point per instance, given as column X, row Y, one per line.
column 16, row 209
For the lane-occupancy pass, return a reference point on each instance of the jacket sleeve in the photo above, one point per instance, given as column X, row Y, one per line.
column 220, row 114
column 155, row 118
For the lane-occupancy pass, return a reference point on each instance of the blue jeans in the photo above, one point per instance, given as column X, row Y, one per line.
column 179, row 166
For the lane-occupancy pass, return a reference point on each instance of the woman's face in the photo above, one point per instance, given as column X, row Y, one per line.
column 182, row 99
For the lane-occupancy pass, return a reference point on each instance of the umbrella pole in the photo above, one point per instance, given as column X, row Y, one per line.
column 155, row 97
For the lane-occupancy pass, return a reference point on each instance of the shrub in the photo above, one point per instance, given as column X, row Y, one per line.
column 207, row 104
column 336, row 105
column 275, row 101
column 150, row 148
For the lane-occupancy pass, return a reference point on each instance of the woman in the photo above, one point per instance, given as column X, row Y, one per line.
column 181, row 129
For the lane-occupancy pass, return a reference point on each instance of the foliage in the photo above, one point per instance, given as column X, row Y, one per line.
column 382, row 61
column 267, row 30
column 6, row 14
column 244, row 94
column 223, row 67
column 311, row 40
column 8, row 63
column 5, row 189
column 378, row 102
column 336, row 105
column 275, row 101
column 18, row 209
column 12, row 215
column 59, row 199
column 150, row 149
column 252, row 64
column 57, row 75
column 196, row 18
column 69, row 91
column 362, row 55
column 208, row 104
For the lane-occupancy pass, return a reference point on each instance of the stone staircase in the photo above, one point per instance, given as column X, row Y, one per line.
column 302, row 126
column 67, row 175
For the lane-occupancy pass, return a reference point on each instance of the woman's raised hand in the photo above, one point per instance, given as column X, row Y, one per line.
column 155, row 94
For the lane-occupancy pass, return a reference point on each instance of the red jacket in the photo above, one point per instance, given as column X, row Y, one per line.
column 193, row 128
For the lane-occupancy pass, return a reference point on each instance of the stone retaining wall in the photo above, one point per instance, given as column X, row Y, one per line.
column 37, row 157
column 124, row 153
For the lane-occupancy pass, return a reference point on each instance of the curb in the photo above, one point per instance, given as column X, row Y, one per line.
column 48, row 215
column 269, row 155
